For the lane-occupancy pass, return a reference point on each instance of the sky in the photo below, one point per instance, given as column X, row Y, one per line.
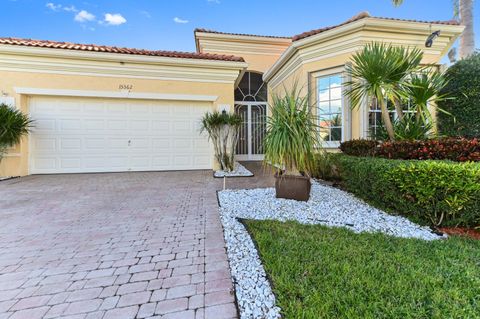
column 169, row 24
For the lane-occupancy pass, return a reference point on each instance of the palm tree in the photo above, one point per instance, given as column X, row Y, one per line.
column 425, row 88
column 13, row 126
column 462, row 9
column 381, row 72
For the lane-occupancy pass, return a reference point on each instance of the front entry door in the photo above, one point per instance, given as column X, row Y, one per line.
column 252, row 130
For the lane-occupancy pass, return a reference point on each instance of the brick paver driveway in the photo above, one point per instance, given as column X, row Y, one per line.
column 122, row 245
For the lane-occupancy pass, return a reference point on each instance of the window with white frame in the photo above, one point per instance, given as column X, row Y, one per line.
column 375, row 123
column 330, row 108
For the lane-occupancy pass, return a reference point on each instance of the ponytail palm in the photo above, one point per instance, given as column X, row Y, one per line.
column 222, row 129
column 292, row 133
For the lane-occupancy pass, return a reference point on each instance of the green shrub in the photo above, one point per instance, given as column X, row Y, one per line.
column 464, row 88
column 359, row 147
column 326, row 166
column 431, row 192
column 13, row 126
column 453, row 149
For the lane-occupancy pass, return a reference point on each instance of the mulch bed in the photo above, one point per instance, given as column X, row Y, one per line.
column 459, row 231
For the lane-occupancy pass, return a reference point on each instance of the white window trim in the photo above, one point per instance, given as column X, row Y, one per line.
column 346, row 112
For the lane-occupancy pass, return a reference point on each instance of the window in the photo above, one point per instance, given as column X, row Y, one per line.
column 251, row 88
column 330, row 108
column 375, row 123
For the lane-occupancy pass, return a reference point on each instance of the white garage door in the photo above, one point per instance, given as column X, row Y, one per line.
column 77, row 135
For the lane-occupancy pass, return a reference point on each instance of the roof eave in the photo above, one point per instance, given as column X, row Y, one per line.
column 120, row 57
column 374, row 23
column 241, row 37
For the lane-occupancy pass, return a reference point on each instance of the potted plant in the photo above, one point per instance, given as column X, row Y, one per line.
column 290, row 143
column 222, row 129
column 13, row 126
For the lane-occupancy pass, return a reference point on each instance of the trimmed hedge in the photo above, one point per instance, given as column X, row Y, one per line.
column 429, row 192
column 360, row 147
column 463, row 89
column 459, row 150
column 454, row 149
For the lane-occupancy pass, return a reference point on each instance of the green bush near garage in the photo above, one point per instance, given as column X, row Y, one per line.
column 429, row 192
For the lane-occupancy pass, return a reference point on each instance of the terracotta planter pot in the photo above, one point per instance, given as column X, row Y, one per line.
column 292, row 187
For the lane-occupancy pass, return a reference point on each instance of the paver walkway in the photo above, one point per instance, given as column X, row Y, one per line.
column 121, row 245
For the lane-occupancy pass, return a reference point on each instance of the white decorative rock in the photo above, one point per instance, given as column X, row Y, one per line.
column 239, row 171
column 327, row 206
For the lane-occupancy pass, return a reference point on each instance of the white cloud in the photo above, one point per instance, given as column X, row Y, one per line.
column 114, row 19
column 53, row 6
column 70, row 8
column 178, row 20
column 214, row 1
column 84, row 16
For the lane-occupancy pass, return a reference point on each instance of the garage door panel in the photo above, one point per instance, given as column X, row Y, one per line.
column 118, row 162
column 44, row 125
column 117, row 108
column 94, row 135
column 44, row 164
column 161, row 126
column 70, row 145
column 139, row 144
column 94, row 108
column 45, row 145
column 92, row 144
column 70, row 163
column 139, row 126
column 66, row 125
column 118, row 125
column 140, row 163
column 94, row 125
column 118, row 144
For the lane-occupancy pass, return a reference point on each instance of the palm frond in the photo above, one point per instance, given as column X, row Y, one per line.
column 292, row 132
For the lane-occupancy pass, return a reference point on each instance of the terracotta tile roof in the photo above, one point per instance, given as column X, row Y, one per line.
column 241, row 34
column 360, row 16
column 112, row 49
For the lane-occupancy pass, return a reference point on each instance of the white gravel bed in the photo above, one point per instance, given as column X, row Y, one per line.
column 327, row 206
column 238, row 171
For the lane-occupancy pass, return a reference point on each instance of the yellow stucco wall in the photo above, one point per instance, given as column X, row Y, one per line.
column 259, row 52
column 330, row 55
column 259, row 63
column 16, row 161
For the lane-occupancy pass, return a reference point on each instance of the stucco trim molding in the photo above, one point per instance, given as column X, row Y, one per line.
column 124, row 94
column 448, row 36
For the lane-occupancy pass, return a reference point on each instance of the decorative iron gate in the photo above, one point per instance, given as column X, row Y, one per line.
column 251, row 105
column 252, row 130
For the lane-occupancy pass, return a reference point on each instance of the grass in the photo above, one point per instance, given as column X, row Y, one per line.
column 321, row 272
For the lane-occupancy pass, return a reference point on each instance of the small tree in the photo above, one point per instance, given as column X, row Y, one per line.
column 222, row 129
column 292, row 136
column 13, row 126
column 380, row 71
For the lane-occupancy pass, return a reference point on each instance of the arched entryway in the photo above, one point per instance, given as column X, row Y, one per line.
column 251, row 105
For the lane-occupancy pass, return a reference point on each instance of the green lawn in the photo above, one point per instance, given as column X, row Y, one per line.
column 321, row 272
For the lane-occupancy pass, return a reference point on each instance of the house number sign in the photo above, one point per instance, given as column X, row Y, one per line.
column 125, row 86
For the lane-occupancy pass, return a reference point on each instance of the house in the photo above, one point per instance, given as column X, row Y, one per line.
column 108, row 109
